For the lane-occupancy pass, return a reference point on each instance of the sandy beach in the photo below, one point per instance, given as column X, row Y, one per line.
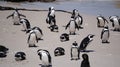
column 11, row 36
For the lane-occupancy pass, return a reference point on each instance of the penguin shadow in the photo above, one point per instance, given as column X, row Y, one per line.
column 74, row 34
column 52, row 30
column 45, row 66
column 115, row 30
column 106, row 42
column 87, row 51
column 33, row 46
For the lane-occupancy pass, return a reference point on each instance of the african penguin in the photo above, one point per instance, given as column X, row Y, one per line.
column 25, row 23
column 19, row 56
column 64, row 37
column 38, row 32
column 101, row 21
column 85, row 62
column 32, row 39
column 72, row 26
column 85, row 42
column 75, row 52
column 105, row 34
column 78, row 18
column 3, row 51
column 115, row 22
column 16, row 17
column 45, row 57
column 51, row 16
column 59, row 51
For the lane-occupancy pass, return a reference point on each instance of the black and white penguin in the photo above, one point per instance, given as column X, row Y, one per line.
column 78, row 18
column 72, row 26
column 54, row 28
column 105, row 34
column 85, row 42
column 16, row 17
column 38, row 32
column 32, row 39
column 64, row 37
column 19, row 56
column 3, row 51
column 101, row 21
column 75, row 52
column 59, row 51
column 51, row 16
column 115, row 22
column 85, row 62
column 45, row 57
column 25, row 23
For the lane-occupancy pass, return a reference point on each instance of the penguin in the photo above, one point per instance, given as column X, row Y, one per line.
column 78, row 18
column 54, row 28
column 115, row 22
column 84, row 43
column 51, row 16
column 85, row 62
column 64, row 37
column 38, row 32
column 59, row 51
column 3, row 51
column 45, row 57
column 72, row 26
column 25, row 23
column 75, row 52
column 19, row 56
column 105, row 35
column 32, row 39
column 16, row 17
column 101, row 21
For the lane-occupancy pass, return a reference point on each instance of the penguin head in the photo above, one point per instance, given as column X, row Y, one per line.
column 51, row 8
column 75, row 44
column 106, row 27
column 85, row 57
column 91, row 36
column 3, row 49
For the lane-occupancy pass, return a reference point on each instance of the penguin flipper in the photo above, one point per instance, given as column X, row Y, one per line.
column 76, row 26
column 81, row 19
column 102, row 34
column 67, row 25
column 9, row 16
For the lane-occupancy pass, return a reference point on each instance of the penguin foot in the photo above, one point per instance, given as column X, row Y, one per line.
column 39, row 39
column 16, row 24
column 105, row 42
column 33, row 46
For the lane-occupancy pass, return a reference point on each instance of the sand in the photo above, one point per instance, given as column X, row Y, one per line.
column 11, row 36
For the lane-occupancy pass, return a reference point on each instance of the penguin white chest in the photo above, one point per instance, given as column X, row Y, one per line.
column 24, row 25
column 78, row 20
column 101, row 21
column 105, row 36
column 75, row 52
column 16, row 18
column 45, row 59
column 32, row 39
column 116, row 23
column 72, row 27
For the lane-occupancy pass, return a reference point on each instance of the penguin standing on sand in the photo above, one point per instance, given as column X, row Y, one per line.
column 85, row 62
column 25, row 23
column 45, row 58
column 78, row 18
column 115, row 22
column 101, row 21
column 75, row 52
column 105, row 34
column 72, row 26
column 51, row 17
column 38, row 32
column 16, row 17
column 32, row 39
column 85, row 42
